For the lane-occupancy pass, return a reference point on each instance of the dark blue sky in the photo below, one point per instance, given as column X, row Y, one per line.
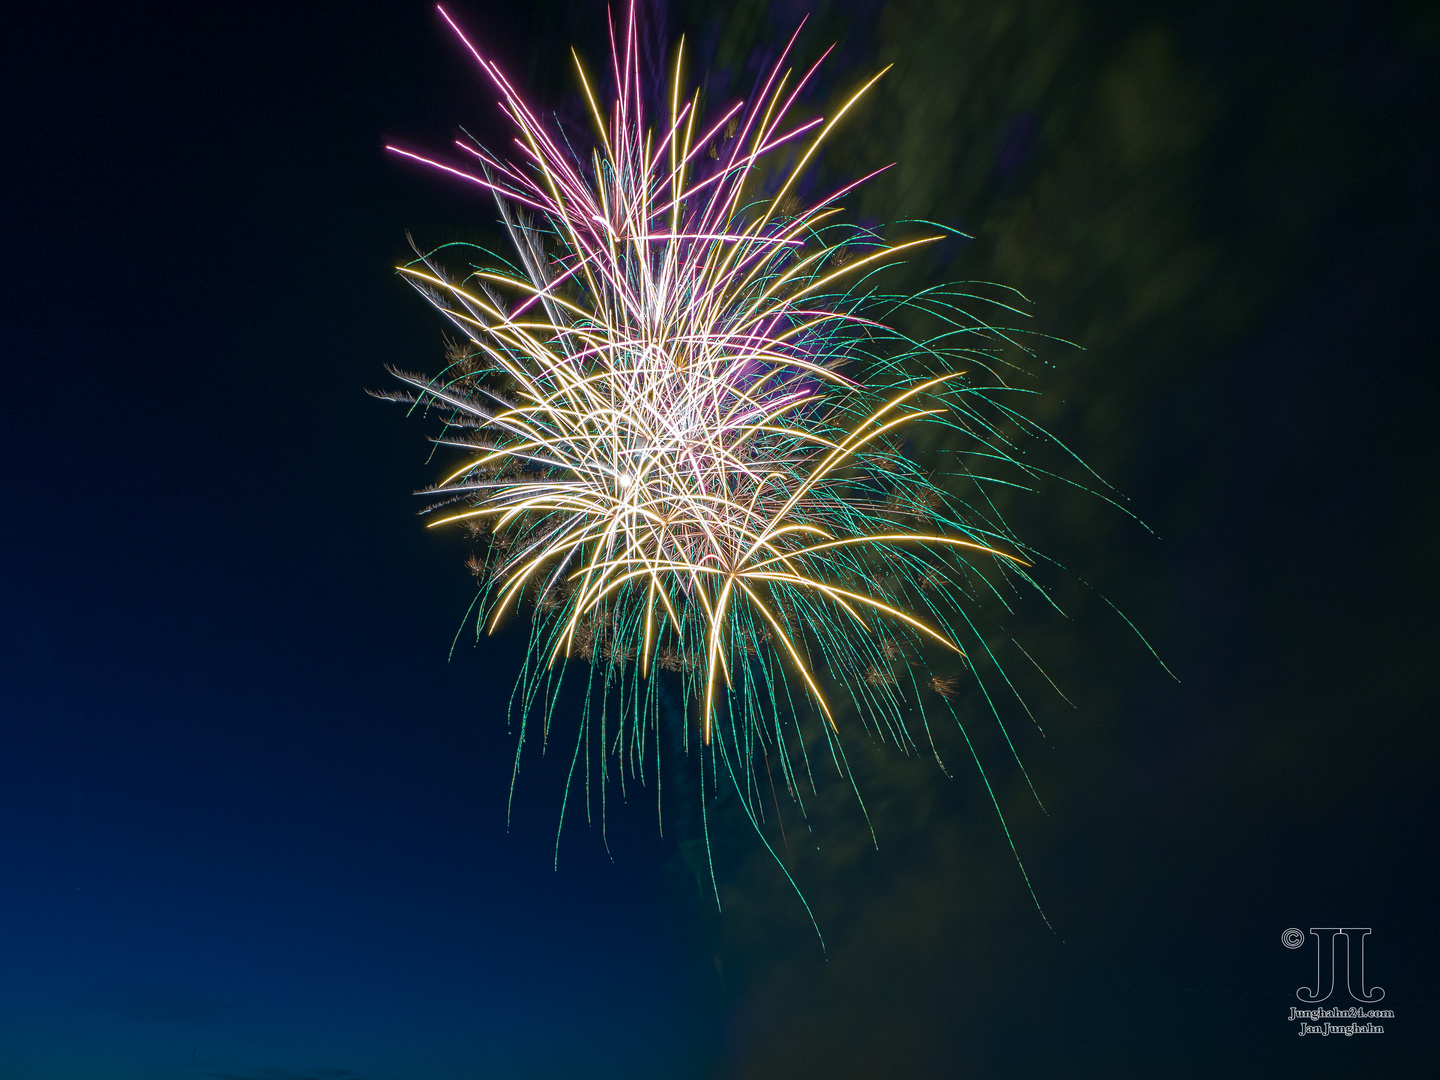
column 252, row 815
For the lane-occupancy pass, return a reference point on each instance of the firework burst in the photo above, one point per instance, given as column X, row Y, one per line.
column 679, row 415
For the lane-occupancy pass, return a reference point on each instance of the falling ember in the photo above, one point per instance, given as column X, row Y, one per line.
column 947, row 686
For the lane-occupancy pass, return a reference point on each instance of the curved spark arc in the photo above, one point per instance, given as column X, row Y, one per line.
column 689, row 453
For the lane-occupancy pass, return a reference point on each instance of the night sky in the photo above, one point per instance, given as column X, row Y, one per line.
column 253, row 810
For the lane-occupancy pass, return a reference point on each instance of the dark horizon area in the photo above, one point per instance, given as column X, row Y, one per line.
column 253, row 791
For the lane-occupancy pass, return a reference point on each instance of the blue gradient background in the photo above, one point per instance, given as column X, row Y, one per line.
column 252, row 818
